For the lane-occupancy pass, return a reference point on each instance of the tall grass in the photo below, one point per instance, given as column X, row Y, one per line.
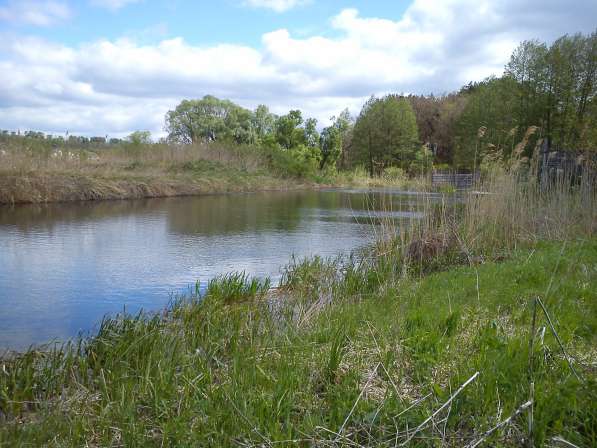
column 30, row 173
column 28, row 155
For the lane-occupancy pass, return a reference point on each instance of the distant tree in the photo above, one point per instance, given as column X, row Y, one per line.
column 556, row 87
column 336, row 139
column 288, row 131
column 331, row 146
column 98, row 140
column 263, row 122
column 385, row 134
column 490, row 107
column 436, row 118
column 311, row 134
column 139, row 138
column 208, row 119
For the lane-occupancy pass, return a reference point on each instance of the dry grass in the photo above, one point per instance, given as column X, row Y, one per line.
column 46, row 175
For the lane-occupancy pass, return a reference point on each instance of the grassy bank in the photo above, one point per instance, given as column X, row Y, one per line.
column 30, row 174
column 122, row 173
column 359, row 351
column 364, row 371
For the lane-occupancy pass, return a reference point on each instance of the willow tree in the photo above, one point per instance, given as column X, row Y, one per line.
column 208, row 119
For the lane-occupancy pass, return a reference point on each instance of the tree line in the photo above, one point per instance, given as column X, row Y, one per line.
column 546, row 92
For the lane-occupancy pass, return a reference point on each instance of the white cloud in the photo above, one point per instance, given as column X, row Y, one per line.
column 276, row 5
column 112, row 5
column 34, row 12
column 118, row 86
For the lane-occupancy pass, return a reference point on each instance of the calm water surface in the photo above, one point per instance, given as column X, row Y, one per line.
column 64, row 266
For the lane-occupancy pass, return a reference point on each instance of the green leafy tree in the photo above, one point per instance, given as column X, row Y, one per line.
column 331, row 146
column 311, row 134
column 139, row 138
column 335, row 138
column 288, row 131
column 208, row 119
column 490, row 105
column 263, row 122
column 385, row 134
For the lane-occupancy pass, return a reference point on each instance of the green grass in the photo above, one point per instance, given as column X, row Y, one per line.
column 347, row 345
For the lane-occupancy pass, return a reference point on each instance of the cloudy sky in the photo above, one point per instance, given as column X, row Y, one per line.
column 98, row 67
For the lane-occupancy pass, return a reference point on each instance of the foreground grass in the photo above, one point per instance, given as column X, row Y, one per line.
column 346, row 354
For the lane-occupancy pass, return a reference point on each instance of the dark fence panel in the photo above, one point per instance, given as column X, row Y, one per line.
column 460, row 181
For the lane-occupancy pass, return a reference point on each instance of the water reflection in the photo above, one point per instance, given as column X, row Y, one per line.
column 63, row 266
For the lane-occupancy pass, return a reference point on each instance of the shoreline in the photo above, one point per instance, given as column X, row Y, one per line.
column 44, row 189
column 227, row 347
column 32, row 188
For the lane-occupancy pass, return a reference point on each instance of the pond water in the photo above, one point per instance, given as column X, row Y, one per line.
column 64, row 266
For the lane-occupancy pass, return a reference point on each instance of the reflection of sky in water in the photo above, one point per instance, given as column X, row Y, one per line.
column 62, row 267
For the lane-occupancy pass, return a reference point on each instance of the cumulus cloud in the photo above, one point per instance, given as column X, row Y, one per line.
column 118, row 86
column 37, row 13
column 275, row 5
column 112, row 5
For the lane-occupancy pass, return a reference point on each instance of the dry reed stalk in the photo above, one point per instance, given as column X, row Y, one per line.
column 341, row 430
column 442, row 407
column 555, row 333
column 499, row 425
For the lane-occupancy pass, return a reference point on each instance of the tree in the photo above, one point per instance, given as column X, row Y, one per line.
column 345, row 124
column 331, row 146
column 208, row 119
column 288, row 131
column 334, row 138
column 385, row 134
column 311, row 134
column 263, row 122
column 555, row 88
column 436, row 117
column 490, row 105
column 139, row 138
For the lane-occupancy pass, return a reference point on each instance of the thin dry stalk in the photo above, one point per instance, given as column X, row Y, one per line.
column 499, row 425
column 442, row 407
column 359, row 398
column 555, row 333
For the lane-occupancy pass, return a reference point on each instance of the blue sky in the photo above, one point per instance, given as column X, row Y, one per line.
column 113, row 66
column 199, row 22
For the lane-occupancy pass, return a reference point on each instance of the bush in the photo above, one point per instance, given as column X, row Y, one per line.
column 393, row 173
column 300, row 162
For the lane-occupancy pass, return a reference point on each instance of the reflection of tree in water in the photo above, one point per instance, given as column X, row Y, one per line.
column 46, row 216
column 236, row 213
column 214, row 214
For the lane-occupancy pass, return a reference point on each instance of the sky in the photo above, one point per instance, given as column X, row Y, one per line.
column 110, row 67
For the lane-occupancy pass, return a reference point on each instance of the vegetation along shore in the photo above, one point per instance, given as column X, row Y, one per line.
column 214, row 145
column 477, row 324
